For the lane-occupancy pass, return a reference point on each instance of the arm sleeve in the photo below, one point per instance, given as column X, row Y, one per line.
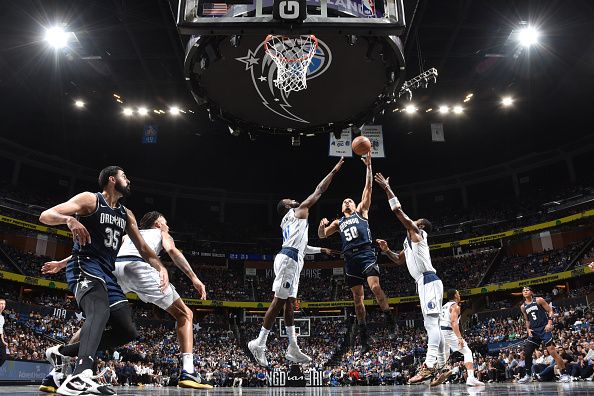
column 312, row 250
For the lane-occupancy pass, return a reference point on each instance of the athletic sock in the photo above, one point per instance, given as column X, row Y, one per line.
column 187, row 362
column 470, row 373
column 292, row 336
column 263, row 336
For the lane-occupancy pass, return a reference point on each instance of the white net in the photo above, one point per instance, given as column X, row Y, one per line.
column 292, row 56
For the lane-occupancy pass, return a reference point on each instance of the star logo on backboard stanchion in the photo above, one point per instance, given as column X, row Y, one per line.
column 79, row 316
column 197, row 327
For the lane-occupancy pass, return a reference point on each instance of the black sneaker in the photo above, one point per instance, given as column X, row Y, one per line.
column 192, row 380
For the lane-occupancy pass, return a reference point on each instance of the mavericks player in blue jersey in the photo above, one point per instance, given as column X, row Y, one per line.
column 287, row 268
column 98, row 222
column 538, row 315
column 360, row 261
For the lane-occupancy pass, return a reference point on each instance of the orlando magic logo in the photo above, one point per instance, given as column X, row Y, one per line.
column 263, row 73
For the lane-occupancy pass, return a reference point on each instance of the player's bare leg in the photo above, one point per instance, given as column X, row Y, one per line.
column 382, row 301
column 258, row 346
column 358, row 296
column 185, row 337
column 293, row 353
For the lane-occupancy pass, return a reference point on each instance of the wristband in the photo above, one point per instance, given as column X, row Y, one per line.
column 394, row 203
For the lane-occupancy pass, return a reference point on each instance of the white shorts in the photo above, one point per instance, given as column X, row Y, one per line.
column 452, row 343
column 139, row 277
column 287, row 271
column 430, row 290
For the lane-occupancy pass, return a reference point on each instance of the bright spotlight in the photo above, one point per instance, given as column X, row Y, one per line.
column 56, row 37
column 410, row 109
column 128, row 111
column 79, row 103
column 507, row 101
column 528, row 36
column 458, row 109
column 444, row 109
column 174, row 110
column 142, row 111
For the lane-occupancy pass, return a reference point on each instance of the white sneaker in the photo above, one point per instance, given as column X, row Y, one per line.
column 259, row 352
column 525, row 380
column 294, row 354
column 83, row 384
column 472, row 381
column 564, row 378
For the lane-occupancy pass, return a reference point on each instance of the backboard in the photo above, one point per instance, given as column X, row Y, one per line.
column 358, row 66
column 336, row 16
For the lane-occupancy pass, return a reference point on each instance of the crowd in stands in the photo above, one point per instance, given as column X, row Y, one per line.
column 537, row 264
column 223, row 360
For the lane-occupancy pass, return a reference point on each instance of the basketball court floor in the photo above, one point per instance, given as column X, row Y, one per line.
column 508, row 389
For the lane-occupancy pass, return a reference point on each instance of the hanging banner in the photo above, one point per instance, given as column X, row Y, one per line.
column 437, row 132
column 150, row 134
column 375, row 134
column 341, row 147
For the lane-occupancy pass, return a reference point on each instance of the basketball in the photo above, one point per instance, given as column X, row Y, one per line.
column 361, row 145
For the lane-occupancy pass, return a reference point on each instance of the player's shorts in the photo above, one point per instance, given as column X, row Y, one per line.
column 359, row 263
column 539, row 336
column 452, row 341
column 136, row 275
column 287, row 268
column 430, row 290
column 81, row 270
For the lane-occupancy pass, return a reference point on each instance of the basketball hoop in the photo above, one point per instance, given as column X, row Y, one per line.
column 292, row 56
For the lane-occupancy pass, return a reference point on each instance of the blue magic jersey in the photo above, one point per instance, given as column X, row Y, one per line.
column 106, row 226
column 354, row 231
column 537, row 316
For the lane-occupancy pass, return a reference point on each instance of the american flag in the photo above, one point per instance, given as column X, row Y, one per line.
column 209, row 9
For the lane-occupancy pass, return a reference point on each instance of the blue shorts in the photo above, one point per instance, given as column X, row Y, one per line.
column 81, row 270
column 539, row 336
column 359, row 263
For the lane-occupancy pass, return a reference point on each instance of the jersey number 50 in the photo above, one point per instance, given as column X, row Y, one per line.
column 351, row 233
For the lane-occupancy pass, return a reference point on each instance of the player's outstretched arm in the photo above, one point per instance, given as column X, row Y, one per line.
column 316, row 250
column 181, row 262
column 82, row 204
column 53, row 267
column 398, row 258
column 410, row 225
column 363, row 207
column 550, row 313
column 303, row 210
column 326, row 228
column 145, row 251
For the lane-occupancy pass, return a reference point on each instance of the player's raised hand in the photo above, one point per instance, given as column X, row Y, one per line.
column 80, row 234
column 383, row 245
column 367, row 159
column 51, row 267
column 324, row 222
column 384, row 182
column 338, row 165
column 200, row 288
column 330, row 252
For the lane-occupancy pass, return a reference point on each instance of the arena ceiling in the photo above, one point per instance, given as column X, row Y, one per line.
column 132, row 49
